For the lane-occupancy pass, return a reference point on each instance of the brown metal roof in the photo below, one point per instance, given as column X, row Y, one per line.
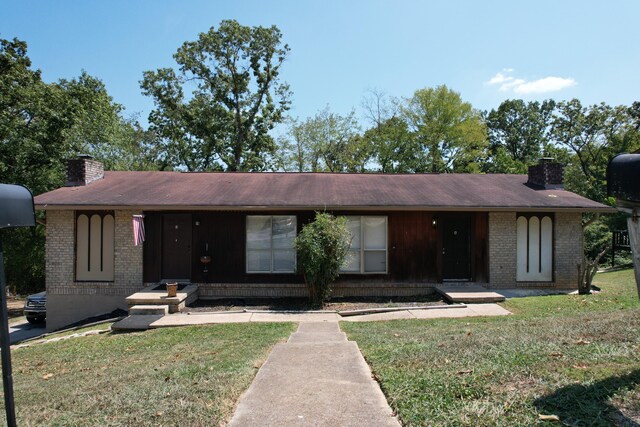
column 176, row 190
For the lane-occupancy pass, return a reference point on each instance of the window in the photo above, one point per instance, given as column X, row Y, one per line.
column 534, row 248
column 270, row 244
column 94, row 246
column 368, row 251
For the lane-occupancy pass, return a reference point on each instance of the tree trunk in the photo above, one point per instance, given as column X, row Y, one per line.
column 588, row 270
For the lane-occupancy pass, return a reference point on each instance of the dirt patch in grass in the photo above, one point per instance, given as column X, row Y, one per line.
column 301, row 304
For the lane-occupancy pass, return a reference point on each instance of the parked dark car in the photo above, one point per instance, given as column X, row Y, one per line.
column 35, row 307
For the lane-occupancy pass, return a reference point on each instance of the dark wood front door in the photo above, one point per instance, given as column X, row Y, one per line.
column 176, row 246
column 456, row 248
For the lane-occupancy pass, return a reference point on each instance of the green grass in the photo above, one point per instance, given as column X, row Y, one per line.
column 576, row 357
column 618, row 293
column 176, row 376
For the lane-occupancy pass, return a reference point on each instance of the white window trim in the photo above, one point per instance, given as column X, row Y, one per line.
column 271, row 249
column 363, row 250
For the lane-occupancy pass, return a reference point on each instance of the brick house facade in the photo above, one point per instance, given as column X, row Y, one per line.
column 413, row 256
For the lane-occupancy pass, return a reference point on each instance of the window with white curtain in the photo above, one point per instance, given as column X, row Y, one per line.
column 95, row 233
column 368, row 250
column 270, row 247
column 534, row 248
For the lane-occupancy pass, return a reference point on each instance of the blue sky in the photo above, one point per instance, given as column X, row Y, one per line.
column 488, row 51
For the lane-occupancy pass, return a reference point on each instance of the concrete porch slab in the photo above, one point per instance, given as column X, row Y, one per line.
column 151, row 296
column 468, row 293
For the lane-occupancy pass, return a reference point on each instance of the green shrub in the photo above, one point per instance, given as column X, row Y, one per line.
column 322, row 247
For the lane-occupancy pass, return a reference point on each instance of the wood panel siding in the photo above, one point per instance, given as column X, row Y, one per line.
column 152, row 248
column 414, row 248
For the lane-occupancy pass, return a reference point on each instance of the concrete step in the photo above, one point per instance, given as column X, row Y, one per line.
column 149, row 309
column 469, row 294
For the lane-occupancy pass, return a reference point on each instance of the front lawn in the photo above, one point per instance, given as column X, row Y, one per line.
column 575, row 357
column 176, row 376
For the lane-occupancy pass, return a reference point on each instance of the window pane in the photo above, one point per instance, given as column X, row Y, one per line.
column 284, row 260
column 375, row 232
column 353, row 224
column 258, row 261
column 258, row 232
column 284, row 231
column 352, row 261
column 375, row 261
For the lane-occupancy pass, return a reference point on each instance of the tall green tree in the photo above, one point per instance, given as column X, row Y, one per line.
column 32, row 122
column 326, row 142
column 394, row 149
column 235, row 99
column 41, row 126
column 634, row 113
column 449, row 131
column 518, row 134
column 98, row 127
column 593, row 135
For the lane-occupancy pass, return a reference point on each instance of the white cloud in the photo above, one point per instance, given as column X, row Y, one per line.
column 511, row 84
column 525, row 87
column 499, row 78
column 547, row 84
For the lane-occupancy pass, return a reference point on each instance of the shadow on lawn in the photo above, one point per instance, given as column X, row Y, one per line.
column 583, row 405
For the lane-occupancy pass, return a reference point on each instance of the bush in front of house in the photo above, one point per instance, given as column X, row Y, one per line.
column 322, row 247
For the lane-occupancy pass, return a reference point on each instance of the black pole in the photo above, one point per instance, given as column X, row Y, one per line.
column 5, row 348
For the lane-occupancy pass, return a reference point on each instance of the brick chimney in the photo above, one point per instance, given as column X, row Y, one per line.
column 547, row 174
column 83, row 170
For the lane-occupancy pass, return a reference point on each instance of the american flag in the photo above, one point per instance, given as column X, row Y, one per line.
column 138, row 229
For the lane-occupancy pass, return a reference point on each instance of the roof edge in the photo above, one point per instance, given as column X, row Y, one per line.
column 603, row 209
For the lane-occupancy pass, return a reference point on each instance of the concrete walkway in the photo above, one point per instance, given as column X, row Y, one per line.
column 141, row 322
column 317, row 378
